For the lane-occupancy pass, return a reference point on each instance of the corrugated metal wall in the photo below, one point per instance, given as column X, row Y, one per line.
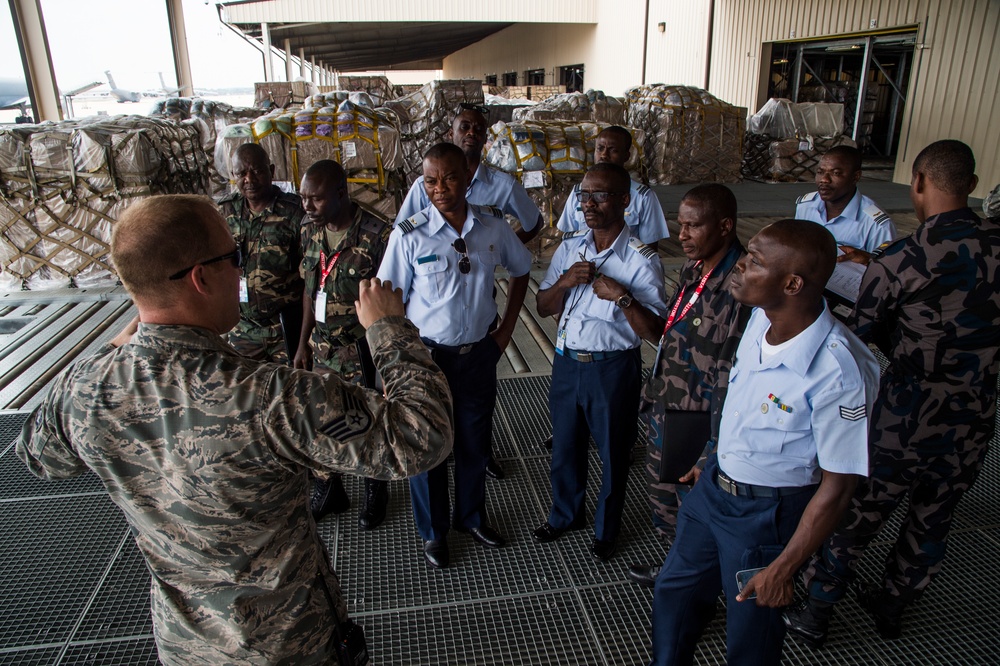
column 954, row 82
column 677, row 55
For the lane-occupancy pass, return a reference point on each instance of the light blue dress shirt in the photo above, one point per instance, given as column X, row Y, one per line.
column 644, row 215
column 862, row 224
column 596, row 325
column 448, row 307
column 827, row 380
column 489, row 187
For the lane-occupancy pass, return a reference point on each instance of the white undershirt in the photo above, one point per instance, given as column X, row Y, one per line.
column 767, row 350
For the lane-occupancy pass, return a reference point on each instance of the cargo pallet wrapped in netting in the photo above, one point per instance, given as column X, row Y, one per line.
column 63, row 185
column 216, row 116
column 691, row 136
column 592, row 105
column 550, row 157
column 365, row 141
column 378, row 87
column 785, row 140
column 271, row 95
column 425, row 117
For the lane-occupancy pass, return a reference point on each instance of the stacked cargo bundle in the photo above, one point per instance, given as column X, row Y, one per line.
column 64, row 184
column 690, row 135
column 377, row 87
column 501, row 109
column 337, row 97
column 271, row 95
column 217, row 116
column 425, row 117
column 550, row 157
column 593, row 105
column 785, row 140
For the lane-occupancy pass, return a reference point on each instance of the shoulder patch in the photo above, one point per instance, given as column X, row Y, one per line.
column 411, row 223
column 641, row 248
column 876, row 213
column 807, row 197
column 356, row 419
column 573, row 234
column 487, row 210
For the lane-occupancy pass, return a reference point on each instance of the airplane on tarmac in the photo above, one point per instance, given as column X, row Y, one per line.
column 14, row 95
column 121, row 95
column 164, row 90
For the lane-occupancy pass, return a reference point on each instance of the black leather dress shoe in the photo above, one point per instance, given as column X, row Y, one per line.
column 487, row 536
column 328, row 496
column 494, row 470
column 644, row 574
column 376, row 500
column 436, row 553
column 548, row 443
column 545, row 533
column 603, row 550
column 887, row 611
column 808, row 623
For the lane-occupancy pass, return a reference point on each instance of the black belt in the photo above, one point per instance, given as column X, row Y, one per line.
column 747, row 490
column 451, row 349
column 588, row 357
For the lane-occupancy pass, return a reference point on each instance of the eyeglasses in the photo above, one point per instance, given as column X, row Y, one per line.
column 236, row 256
column 598, row 197
column 464, row 265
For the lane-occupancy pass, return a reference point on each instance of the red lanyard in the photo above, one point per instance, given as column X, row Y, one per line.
column 673, row 317
column 325, row 268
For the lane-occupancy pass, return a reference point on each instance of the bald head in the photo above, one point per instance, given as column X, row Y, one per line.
column 811, row 250
column 156, row 237
column 949, row 166
column 329, row 172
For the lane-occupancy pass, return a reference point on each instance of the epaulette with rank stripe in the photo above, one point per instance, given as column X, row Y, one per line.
column 877, row 214
column 411, row 223
column 573, row 234
column 807, row 197
column 641, row 248
column 642, row 189
column 489, row 210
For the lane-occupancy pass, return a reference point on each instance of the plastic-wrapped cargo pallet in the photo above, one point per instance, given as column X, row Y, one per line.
column 785, row 140
column 550, row 156
column 691, row 135
column 425, row 117
column 64, row 184
column 379, row 88
column 593, row 105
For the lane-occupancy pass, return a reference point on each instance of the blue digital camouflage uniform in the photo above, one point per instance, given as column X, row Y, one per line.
column 270, row 244
column 361, row 252
column 695, row 356
column 206, row 453
column 931, row 303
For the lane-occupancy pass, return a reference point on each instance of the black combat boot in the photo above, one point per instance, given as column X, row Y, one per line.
column 809, row 621
column 885, row 609
column 376, row 499
column 328, row 497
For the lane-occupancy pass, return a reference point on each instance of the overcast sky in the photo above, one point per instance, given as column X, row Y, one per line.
column 131, row 39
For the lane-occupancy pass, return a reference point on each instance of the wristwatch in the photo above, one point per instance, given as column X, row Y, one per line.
column 624, row 300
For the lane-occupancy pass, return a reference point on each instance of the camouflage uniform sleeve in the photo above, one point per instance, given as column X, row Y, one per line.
column 871, row 318
column 327, row 423
column 43, row 445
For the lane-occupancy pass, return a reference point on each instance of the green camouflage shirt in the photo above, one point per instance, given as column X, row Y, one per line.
column 207, row 452
column 270, row 244
column 361, row 252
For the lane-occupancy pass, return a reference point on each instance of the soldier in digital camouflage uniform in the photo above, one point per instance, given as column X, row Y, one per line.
column 931, row 302
column 265, row 222
column 342, row 244
column 696, row 350
column 206, row 451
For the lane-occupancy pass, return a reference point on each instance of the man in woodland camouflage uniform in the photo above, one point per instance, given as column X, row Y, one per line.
column 931, row 302
column 265, row 223
column 206, row 451
column 341, row 246
column 697, row 347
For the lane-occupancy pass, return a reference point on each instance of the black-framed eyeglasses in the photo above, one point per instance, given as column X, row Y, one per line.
column 464, row 265
column 236, row 256
column 598, row 197
column 485, row 110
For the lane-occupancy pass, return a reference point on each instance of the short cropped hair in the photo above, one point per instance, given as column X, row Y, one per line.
column 252, row 153
column 156, row 237
column 949, row 165
column 849, row 154
column 715, row 199
column 618, row 174
column 619, row 131
column 329, row 172
column 443, row 150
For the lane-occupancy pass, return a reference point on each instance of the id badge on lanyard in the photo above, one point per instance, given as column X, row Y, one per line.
column 325, row 270
column 244, row 291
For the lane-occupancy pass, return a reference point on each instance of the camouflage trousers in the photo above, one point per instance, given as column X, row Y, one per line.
column 342, row 360
column 664, row 498
column 261, row 343
column 935, row 484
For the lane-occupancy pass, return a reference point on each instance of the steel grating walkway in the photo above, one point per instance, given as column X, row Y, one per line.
column 74, row 590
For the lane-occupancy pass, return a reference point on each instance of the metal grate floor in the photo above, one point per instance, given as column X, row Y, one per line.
column 75, row 590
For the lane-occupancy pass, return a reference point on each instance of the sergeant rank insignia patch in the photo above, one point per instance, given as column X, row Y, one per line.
column 356, row 419
column 852, row 413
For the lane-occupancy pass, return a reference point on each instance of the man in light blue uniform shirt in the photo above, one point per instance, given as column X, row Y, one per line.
column 644, row 215
column 443, row 258
column 606, row 288
column 489, row 186
column 793, row 441
column 854, row 220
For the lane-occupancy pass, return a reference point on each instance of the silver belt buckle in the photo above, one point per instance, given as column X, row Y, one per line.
column 585, row 357
column 727, row 485
column 465, row 349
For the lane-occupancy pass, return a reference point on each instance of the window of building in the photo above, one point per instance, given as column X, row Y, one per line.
column 490, row 79
column 510, row 78
column 534, row 77
column 571, row 76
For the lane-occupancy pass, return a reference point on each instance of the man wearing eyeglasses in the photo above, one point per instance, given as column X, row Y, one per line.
column 265, row 223
column 444, row 259
column 643, row 216
column 206, row 452
column 606, row 289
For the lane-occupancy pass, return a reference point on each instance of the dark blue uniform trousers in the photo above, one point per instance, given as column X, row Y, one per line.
column 472, row 378
column 599, row 399
column 719, row 534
